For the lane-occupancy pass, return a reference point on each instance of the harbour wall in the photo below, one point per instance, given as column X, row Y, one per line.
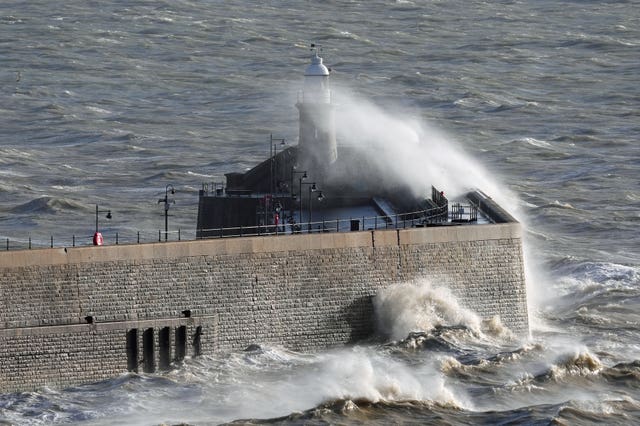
column 78, row 315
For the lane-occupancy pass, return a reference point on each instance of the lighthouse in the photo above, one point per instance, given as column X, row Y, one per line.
column 317, row 139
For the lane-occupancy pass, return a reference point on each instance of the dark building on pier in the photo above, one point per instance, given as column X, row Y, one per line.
column 316, row 186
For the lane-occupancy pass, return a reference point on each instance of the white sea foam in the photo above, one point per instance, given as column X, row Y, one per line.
column 98, row 110
column 410, row 307
column 537, row 143
column 270, row 382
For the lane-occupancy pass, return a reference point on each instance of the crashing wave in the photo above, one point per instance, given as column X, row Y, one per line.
column 406, row 309
column 419, row 307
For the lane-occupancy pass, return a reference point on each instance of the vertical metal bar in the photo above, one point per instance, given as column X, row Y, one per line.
column 52, row 241
column 178, row 234
column 29, row 242
column 116, row 238
column 138, row 237
column 7, row 244
column 166, row 216
column 159, row 235
column 73, row 244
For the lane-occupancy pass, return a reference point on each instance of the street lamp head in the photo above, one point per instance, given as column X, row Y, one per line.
column 320, row 196
column 313, row 188
column 108, row 216
column 304, row 176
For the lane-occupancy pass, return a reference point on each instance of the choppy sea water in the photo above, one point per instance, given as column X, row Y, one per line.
column 535, row 102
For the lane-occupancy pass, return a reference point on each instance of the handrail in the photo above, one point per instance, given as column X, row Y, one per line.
column 419, row 218
column 110, row 238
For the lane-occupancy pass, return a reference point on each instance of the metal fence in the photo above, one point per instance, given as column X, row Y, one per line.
column 432, row 217
column 421, row 218
column 117, row 238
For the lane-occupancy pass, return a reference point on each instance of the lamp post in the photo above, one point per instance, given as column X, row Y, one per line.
column 167, row 202
column 273, row 155
column 97, row 237
column 312, row 188
column 293, row 196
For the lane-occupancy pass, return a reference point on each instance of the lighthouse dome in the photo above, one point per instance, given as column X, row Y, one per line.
column 316, row 68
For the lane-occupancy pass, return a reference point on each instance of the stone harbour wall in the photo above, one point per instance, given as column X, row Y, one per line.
column 77, row 315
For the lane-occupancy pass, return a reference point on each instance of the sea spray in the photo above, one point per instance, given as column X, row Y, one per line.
column 397, row 150
column 267, row 382
column 360, row 373
column 419, row 306
column 406, row 151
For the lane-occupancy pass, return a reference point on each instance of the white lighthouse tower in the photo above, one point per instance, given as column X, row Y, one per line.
column 317, row 139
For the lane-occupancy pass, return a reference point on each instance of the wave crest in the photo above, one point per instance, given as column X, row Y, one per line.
column 47, row 205
column 417, row 307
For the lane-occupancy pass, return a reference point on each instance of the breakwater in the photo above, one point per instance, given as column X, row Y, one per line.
column 76, row 315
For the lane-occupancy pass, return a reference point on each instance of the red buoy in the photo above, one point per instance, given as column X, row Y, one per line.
column 97, row 239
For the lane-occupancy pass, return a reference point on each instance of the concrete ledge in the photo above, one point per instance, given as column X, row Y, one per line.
column 107, row 326
column 267, row 244
column 444, row 234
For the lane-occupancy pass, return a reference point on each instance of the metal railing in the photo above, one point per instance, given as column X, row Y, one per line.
column 463, row 213
column 421, row 218
column 110, row 238
column 431, row 217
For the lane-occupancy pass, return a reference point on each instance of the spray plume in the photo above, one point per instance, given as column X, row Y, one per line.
column 404, row 151
column 407, row 151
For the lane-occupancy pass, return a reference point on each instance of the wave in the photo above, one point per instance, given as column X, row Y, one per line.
column 419, row 315
column 626, row 373
column 414, row 307
column 598, row 295
column 557, row 204
column 474, row 369
column 580, row 281
column 48, row 205
column 435, row 340
column 577, row 363
column 363, row 411
column 536, row 143
column 597, row 272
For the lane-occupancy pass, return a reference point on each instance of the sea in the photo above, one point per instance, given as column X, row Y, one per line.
column 109, row 105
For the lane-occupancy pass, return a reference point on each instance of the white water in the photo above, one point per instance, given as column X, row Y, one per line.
column 412, row 307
